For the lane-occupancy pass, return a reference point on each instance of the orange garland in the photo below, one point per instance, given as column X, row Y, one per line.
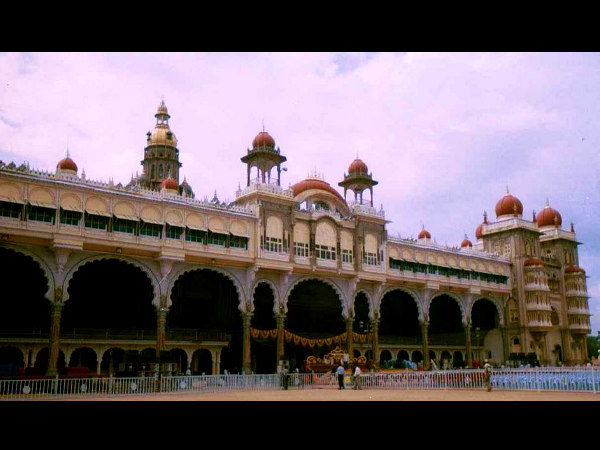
column 305, row 342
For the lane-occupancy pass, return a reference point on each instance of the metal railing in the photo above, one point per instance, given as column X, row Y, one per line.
column 572, row 379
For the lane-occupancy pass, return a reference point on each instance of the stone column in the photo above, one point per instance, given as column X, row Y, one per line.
column 349, row 338
column 246, row 358
column 54, row 344
column 98, row 361
column 469, row 358
column 280, row 318
column 375, row 341
column 424, row 326
column 161, row 316
column 217, row 362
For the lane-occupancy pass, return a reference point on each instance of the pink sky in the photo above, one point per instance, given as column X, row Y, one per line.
column 443, row 133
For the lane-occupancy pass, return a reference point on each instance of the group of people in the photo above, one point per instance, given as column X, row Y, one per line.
column 341, row 374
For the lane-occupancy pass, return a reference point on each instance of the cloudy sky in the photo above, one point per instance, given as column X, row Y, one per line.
column 443, row 133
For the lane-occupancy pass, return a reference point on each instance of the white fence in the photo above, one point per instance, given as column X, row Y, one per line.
column 577, row 379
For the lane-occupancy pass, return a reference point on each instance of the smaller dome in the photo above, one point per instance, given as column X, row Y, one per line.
column 67, row 164
column 534, row 262
column 574, row 269
column 479, row 231
column 170, row 183
column 263, row 139
column 548, row 217
column 358, row 167
column 162, row 110
column 466, row 243
column 424, row 234
column 509, row 205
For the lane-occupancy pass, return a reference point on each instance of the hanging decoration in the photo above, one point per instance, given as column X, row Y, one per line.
column 306, row 342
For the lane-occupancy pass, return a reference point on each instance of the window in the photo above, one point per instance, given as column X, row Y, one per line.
column 124, row 226
column 153, row 172
column 13, row 210
column 41, row 214
column 150, row 229
column 173, row 232
column 301, row 249
column 325, row 252
column 96, row 222
column 370, row 259
column 347, row 256
column 217, row 238
column 238, row 242
column 273, row 245
column 194, row 235
column 507, row 251
column 160, row 171
column 70, row 217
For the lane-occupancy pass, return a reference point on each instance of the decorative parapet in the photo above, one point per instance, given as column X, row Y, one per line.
column 557, row 233
column 272, row 188
column 508, row 224
column 368, row 210
column 432, row 245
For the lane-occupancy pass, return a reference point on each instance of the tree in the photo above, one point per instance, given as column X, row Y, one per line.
column 593, row 344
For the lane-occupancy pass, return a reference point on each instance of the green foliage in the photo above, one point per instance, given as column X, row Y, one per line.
column 593, row 344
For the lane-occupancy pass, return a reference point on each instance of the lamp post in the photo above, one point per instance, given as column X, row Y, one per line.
column 369, row 331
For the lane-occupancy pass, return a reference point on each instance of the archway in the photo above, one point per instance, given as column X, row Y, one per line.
column 386, row 359
column 403, row 355
column 12, row 362
column 41, row 362
column 445, row 322
column 111, row 295
column 179, row 357
column 25, row 310
column 113, row 361
column 485, row 333
column 315, row 312
column 84, row 357
column 361, row 313
column 207, row 300
column 457, row 360
column 399, row 319
column 445, row 360
column 264, row 351
column 417, row 356
column 202, row 362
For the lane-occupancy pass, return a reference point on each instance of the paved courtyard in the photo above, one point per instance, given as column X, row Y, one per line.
column 362, row 395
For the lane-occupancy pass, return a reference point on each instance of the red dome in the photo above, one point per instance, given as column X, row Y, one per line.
column 574, row 269
column 424, row 234
column 67, row 164
column 509, row 205
column 466, row 243
column 358, row 167
column 263, row 139
column 534, row 262
column 314, row 183
column 479, row 231
column 170, row 183
column 548, row 217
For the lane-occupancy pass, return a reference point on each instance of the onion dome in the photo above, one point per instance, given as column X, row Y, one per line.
column 424, row 234
column 169, row 184
column 574, row 269
column 263, row 139
column 358, row 167
column 479, row 229
column 66, row 164
column 185, row 187
column 548, row 217
column 315, row 183
column 509, row 205
column 534, row 262
column 466, row 243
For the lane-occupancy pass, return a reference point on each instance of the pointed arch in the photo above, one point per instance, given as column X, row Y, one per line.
column 495, row 301
column 408, row 291
column 328, row 281
column 456, row 298
column 273, row 289
column 49, row 274
column 131, row 261
column 243, row 304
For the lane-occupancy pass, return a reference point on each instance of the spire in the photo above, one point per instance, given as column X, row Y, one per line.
column 572, row 228
column 547, row 203
column 485, row 217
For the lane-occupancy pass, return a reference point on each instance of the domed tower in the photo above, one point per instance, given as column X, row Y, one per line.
column 161, row 156
column 264, row 157
column 66, row 166
column 357, row 180
column 508, row 207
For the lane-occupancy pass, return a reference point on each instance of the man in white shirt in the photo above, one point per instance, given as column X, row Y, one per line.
column 341, row 372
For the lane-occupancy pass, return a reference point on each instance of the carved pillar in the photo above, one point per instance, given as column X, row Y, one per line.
column 54, row 344
column 217, row 362
column 469, row 359
column 246, row 357
column 424, row 334
column 98, row 361
column 375, row 342
column 280, row 318
column 161, row 327
column 349, row 338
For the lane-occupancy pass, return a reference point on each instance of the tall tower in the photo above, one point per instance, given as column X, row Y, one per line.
column 264, row 157
column 357, row 180
column 161, row 156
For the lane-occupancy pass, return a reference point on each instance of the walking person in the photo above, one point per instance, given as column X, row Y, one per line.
column 357, row 379
column 487, row 375
column 341, row 373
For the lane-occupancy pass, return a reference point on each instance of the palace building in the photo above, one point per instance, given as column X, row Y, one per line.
column 115, row 278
